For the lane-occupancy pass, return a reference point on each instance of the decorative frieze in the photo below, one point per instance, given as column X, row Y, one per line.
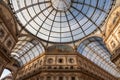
column 112, row 38
column 76, row 64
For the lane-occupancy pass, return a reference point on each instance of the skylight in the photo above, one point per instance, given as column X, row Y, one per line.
column 95, row 50
column 61, row 21
column 26, row 50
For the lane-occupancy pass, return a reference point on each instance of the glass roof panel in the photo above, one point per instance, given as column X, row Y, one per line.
column 94, row 49
column 51, row 19
column 26, row 49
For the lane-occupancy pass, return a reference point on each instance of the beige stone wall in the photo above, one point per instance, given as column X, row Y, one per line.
column 112, row 38
column 69, row 63
column 8, row 38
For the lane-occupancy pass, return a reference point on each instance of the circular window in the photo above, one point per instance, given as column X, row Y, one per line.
column 71, row 60
column 61, row 5
column 50, row 60
column 60, row 60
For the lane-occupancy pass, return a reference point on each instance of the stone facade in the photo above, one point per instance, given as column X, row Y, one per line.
column 58, row 64
column 112, row 38
column 8, row 39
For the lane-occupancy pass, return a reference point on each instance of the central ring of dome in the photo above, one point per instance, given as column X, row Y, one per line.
column 61, row 5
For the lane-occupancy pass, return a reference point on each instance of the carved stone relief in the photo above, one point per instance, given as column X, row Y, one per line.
column 9, row 43
column 71, row 60
column 8, row 18
column 112, row 21
column 2, row 33
column 117, row 51
column 116, row 17
column 118, row 34
column 112, row 43
column 50, row 60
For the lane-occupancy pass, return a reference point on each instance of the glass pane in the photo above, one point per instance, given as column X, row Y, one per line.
column 50, row 19
column 95, row 50
column 27, row 51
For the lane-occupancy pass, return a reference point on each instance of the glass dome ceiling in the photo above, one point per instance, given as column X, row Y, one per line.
column 61, row 21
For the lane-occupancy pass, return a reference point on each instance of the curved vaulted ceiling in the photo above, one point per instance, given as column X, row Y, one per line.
column 26, row 50
column 61, row 21
column 95, row 50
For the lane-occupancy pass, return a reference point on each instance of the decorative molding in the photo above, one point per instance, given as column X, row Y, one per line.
column 82, row 67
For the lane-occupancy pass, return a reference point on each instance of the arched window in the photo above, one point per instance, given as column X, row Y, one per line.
column 6, row 74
